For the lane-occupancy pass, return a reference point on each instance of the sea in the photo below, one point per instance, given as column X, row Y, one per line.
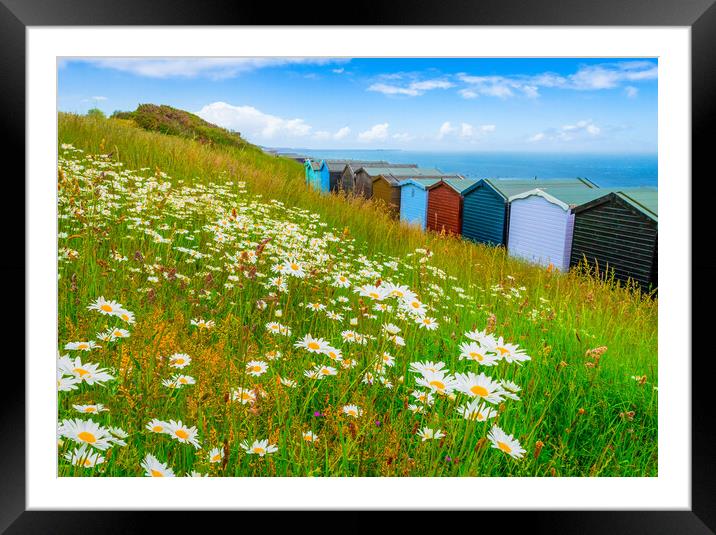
column 606, row 170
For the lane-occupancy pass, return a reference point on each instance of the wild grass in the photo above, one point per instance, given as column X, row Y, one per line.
column 581, row 412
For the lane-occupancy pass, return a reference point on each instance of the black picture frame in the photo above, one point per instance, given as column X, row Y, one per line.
column 699, row 15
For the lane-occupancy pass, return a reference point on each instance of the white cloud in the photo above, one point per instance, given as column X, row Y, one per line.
column 99, row 98
column 253, row 123
column 339, row 71
column 403, row 137
column 378, row 132
column 631, row 91
column 568, row 132
column 488, row 127
column 468, row 93
column 445, row 129
column 214, row 68
column 342, row 133
column 413, row 89
column 466, row 130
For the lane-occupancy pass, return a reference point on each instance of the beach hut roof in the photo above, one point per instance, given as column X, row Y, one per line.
column 402, row 171
column 316, row 166
column 643, row 199
column 458, row 183
column 566, row 197
column 422, row 183
column 507, row 187
column 394, row 180
column 339, row 165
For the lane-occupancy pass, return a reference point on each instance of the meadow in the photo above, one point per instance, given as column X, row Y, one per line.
column 217, row 317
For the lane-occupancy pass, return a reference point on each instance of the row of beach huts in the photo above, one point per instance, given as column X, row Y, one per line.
column 552, row 222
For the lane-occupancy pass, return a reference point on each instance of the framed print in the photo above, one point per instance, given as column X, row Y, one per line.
column 411, row 263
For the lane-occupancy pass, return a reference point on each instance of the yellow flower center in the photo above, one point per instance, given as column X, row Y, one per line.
column 83, row 346
column 438, row 385
column 476, row 356
column 106, row 308
column 259, row 450
column 415, row 304
column 326, row 371
column 352, row 412
column 87, row 462
column 308, row 438
column 294, row 267
column 480, row 391
column 90, row 409
column 156, row 473
column 374, row 295
column 81, row 372
column 216, row 458
column 157, row 428
column 504, row 447
column 314, row 345
column 125, row 317
column 256, row 368
column 178, row 361
column 86, row 436
column 502, row 350
column 182, row 381
column 181, row 433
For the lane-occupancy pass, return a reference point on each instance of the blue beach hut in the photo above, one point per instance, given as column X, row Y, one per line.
column 414, row 200
column 318, row 174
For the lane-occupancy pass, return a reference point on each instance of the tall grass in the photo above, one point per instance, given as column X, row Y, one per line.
column 582, row 412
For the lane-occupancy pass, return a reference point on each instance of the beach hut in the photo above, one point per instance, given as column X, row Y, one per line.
column 618, row 233
column 414, row 200
column 541, row 223
column 317, row 174
column 365, row 176
column 337, row 168
column 486, row 206
column 386, row 187
column 445, row 205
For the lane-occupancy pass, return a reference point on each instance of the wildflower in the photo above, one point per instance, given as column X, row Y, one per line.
column 85, row 432
column 476, row 410
column 274, row 354
column 126, row 315
column 157, row 426
column 118, row 333
column 429, row 434
column 216, row 455
column 316, row 306
column 81, row 346
column 504, row 442
column 416, row 409
column 243, row 395
column 438, row 382
column 476, row 352
column 103, row 306
column 481, row 337
column 422, row 367
column 352, row 410
column 324, row 371
column 427, row 323
column 154, row 468
column 288, row 382
column 423, row 397
column 341, row 281
column 509, row 352
column 415, row 307
column 202, row 323
column 335, row 316
column 480, row 386
column 182, row 433
column 179, row 360
column 65, row 384
column 292, row 267
column 84, row 457
column 314, row 345
column 256, row 367
column 259, row 447
column 309, row 436
column 90, row 409
column 509, row 389
column 87, row 372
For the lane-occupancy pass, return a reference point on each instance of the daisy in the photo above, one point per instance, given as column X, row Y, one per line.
column 103, row 306
column 510, row 389
column 292, row 267
column 87, row 372
column 335, row 316
column 313, row 345
column 287, row 382
column 426, row 398
column 504, row 442
column 349, row 363
column 476, row 352
column 182, row 433
column 377, row 293
column 480, row 386
column 429, row 434
column 325, row 371
column 399, row 291
column 256, row 367
column 391, row 329
column 309, row 436
column 387, row 359
column 481, row 337
column 117, row 435
column 416, row 409
column 334, row 354
column 427, row 323
column 422, row 367
column 81, row 346
column 414, row 307
column 157, row 426
column 83, row 457
column 509, row 352
column 216, row 455
column 126, row 315
column 202, row 323
column 476, row 410
column 90, row 409
column 259, row 447
column 437, row 382
column 316, row 306
column 243, row 395
column 352, row 410
column 154, row 468
column 179, row 360
column 118, row 333
column 341, row 281
column 65, row 384
column 273, row 354
column 85, row 432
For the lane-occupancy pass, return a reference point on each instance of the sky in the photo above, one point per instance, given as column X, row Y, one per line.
column 590, row 105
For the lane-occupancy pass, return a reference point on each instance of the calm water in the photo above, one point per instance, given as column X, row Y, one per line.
column 607, row 170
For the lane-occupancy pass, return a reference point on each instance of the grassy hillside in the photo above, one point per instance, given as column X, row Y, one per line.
column 173, row 121
column 581, row 411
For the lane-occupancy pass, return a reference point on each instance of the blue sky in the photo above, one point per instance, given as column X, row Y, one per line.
column 452, row 104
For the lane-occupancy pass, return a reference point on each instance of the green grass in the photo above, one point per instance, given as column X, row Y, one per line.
column 586, row 416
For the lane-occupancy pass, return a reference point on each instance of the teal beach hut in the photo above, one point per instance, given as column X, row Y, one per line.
column 414, row 200
column 317, row 175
